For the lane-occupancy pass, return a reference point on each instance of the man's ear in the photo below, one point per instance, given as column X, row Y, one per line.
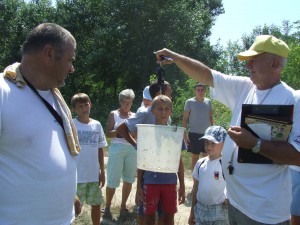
column 275, row 64
column 49, row 52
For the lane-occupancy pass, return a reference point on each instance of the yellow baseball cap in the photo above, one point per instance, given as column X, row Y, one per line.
column 265, row 43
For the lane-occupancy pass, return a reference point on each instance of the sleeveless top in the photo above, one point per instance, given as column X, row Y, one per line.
column 118, row 121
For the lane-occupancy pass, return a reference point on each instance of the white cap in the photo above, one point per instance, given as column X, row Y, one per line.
column 146, row 93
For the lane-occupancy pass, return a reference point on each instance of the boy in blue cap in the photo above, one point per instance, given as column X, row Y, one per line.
column 209, row 191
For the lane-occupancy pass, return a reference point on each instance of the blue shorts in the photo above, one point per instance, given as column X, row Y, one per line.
column 295, row 206
column 196, row 146
column 122, row 162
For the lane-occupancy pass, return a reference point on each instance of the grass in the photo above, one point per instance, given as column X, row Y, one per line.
column 130, row 219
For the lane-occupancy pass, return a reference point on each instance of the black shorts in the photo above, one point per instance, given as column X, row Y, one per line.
column 196, row 146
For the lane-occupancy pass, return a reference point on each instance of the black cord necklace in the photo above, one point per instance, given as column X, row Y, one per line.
column 49, row 107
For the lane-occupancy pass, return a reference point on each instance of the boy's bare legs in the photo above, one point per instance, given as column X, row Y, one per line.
column 195, row 158
column 150, row 219
column 109, row 195
column 95, row 214
column 141, row 220
column 168, row 219
column 126, row 189
column 295, row 220
column 161, row 220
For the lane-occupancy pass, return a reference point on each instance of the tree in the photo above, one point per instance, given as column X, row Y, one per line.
column 116, row 40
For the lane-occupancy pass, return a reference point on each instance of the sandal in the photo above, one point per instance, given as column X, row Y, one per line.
column 106, row 213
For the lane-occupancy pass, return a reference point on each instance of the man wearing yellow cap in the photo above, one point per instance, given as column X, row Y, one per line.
column 257, row 193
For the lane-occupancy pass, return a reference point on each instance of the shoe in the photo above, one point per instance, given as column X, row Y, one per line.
column 106, row 213
column 124, row 213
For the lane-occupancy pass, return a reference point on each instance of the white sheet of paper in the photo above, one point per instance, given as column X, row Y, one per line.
column 262, row 130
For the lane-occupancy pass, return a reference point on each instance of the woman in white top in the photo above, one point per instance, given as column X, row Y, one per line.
column 122, row 155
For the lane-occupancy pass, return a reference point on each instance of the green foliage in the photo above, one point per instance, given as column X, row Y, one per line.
column 116, row 40
column 183, row 92
column 291, row 72
column 221, row 114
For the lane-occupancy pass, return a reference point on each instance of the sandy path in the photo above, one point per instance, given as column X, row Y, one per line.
column 181, row 217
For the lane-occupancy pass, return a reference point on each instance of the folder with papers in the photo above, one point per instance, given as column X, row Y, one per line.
column 268, row 122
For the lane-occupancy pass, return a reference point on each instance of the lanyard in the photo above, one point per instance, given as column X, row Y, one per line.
column 160, row 78
column 49, row 107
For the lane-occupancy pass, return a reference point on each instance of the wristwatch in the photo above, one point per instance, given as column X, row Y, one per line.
column 256, row 148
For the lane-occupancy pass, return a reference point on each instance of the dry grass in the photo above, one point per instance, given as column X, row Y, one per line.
column 131, row 218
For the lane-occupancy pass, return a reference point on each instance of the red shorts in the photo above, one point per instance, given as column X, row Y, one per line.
column 165, row 194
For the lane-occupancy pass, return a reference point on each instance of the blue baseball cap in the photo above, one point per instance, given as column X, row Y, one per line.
column 215, row 134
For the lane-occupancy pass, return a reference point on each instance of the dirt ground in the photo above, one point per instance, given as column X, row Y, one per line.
column 181, row 217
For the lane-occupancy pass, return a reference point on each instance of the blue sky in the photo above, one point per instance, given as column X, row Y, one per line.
column 242, row 16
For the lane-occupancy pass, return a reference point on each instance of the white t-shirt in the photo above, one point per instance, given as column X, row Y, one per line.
column 91, row 138
column 296, row 128
column 261, row 191
column 38, row 173
column 211, row 187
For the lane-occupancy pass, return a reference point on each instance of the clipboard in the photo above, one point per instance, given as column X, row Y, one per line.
column 268, row 122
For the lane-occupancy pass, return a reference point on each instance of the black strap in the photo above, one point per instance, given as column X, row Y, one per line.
column 222, row 168
column 160, row 78
column 204, row 161
column 49, row 107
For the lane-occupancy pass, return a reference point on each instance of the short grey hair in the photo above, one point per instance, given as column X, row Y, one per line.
column 127, row 93
column 47, row 33
column 283, row 62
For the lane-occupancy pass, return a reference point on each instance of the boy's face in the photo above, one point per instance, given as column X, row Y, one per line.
column 200, row 91
column 213, row 150
column 82, row 109
column 162, row 112
column 168, row 91
column 147, row 102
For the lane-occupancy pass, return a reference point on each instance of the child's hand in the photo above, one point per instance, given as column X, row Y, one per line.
column 225, row 203
column 101, row 179
column 139, row 196
column 191, row 219
column 186, row 139
column 181, row 194
column 77, row 206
